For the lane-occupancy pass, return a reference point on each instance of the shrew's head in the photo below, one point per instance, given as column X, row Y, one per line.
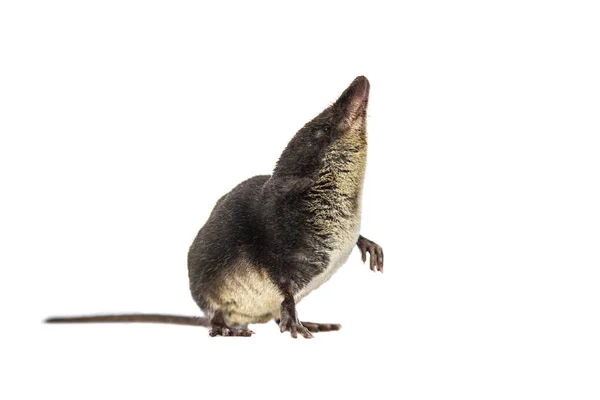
column 340, row 127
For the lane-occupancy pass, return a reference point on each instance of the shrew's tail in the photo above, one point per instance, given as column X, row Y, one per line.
column 152, row 318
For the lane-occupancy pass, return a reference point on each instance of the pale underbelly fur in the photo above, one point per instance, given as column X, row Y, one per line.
column 347, row 238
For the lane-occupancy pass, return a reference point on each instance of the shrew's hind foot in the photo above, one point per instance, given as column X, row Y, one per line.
column 295, row 327
column 317, row 327
column 289, row 318
column 375, row 253
column 220, row 328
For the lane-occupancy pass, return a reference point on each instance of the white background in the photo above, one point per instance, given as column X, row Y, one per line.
column 123, row 122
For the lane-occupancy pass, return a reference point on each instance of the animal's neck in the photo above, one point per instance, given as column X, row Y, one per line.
column 343, row 172
column 334, row 201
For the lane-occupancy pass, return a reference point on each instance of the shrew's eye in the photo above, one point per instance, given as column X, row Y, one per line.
column 320, row 131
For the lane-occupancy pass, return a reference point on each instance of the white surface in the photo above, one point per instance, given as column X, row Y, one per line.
column 123, row 122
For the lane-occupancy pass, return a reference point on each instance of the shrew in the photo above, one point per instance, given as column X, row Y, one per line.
column 275, row 238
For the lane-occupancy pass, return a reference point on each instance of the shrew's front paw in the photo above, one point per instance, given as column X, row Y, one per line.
column 375, row 253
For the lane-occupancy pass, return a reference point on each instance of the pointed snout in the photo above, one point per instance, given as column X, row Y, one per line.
column 361, row 87
column 353, row 102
